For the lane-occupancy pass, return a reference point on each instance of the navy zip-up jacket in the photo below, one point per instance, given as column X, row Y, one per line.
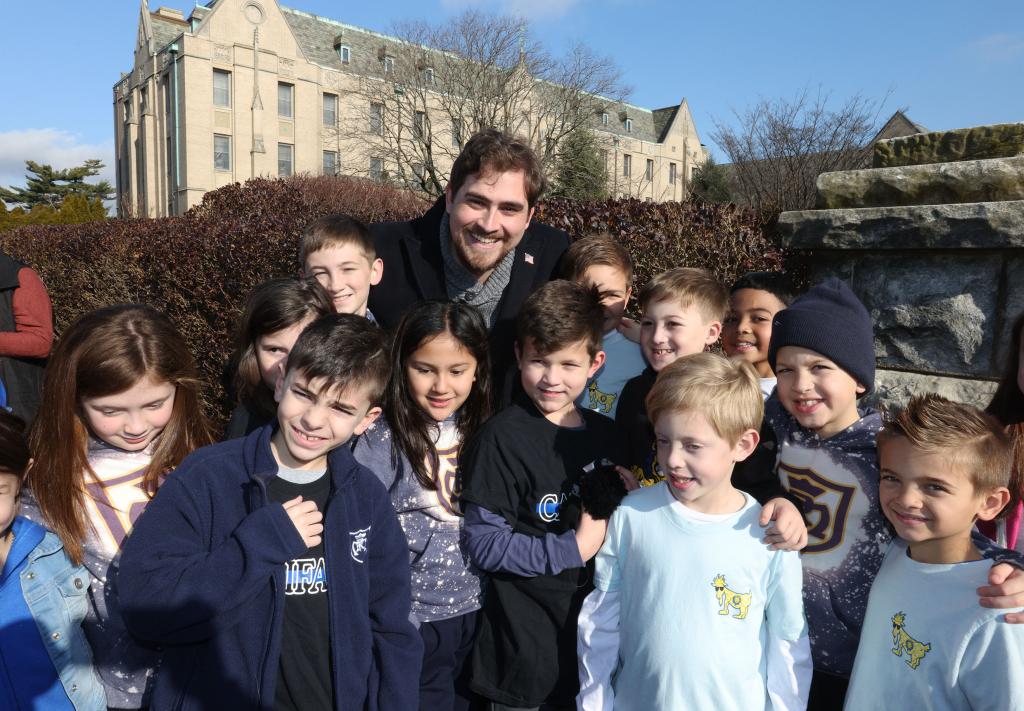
column 202, row 573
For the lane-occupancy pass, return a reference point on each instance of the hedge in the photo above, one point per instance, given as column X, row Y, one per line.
column 199, row 268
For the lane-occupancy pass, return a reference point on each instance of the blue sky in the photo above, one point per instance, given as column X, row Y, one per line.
column 951, row 63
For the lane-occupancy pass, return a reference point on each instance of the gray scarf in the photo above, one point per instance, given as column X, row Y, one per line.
column 462, row 286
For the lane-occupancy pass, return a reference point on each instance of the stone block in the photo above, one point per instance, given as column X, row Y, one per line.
column 1013, row 309
column 996, row 141
column 977, row 225
column 932, row 313
column 989, row 180
column 893, row 389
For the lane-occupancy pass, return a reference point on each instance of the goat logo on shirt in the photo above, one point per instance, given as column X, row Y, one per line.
column 359, row 543
column 903, row 642
column 599, row 401
column 730, row 598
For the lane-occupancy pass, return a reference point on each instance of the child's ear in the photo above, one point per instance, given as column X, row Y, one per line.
column 714, row 331
column 993, row 502
column 376, row 271
column 371, row 416
column 596, row 364
column 279, row 387
column 629, row 295
column 519, row 356
column 861, row 389
column 746, row 445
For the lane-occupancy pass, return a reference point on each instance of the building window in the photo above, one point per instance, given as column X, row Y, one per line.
column 377, row 119
column 284, row 159
column 128, row 109
column 649, row 172
column 456, row 134
column 166, row 89
column 330, row 162
column 604, row 160
column 671, row 173
column 389, row 65
column 222, row 88
column 604, row 118
column 627, row 164
column 221, row 152
column 419, row 121
column 419, row 174
column 345, row 54
column 693, row 171
column 285, row 96
column 330, row 110
column 376, row 168
column 629, row 125
column 144, row 100
column 428, row 76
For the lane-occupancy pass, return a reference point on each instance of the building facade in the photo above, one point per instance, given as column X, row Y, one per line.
column 247, row 88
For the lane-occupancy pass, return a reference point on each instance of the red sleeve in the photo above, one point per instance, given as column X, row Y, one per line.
column 33, row 319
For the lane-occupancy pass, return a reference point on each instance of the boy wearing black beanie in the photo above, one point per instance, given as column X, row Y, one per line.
column 822, row 350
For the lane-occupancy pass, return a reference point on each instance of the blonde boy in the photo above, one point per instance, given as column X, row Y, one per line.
column 925, row 640
column 338, row 251
column 602, row 262
column 682, row 310
column 691, row 604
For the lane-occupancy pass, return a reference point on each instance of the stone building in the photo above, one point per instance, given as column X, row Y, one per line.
column 245, row 88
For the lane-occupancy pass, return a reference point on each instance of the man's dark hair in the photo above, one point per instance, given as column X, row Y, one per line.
column 775, row 283
column 559, row 314
column 345, row 350
column 491, row 150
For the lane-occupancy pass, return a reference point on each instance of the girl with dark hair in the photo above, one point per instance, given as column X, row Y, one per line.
column 119, row 410
column 1008, row 407
column 275, row 314
column 42, row 595
column 438, row 396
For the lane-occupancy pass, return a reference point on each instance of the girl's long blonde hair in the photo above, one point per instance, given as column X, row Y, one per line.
column 106, row 352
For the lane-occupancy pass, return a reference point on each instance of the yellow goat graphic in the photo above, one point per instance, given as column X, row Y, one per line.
column 903, row 642
column 728, row 598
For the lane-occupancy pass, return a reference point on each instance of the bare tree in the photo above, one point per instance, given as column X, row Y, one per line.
column 779, row 147
column 441, row 83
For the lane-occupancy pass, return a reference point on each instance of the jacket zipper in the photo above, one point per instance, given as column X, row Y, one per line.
column 273, row 611
column 330, row 609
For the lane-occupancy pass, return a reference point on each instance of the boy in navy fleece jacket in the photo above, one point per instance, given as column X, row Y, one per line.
column 273, row 568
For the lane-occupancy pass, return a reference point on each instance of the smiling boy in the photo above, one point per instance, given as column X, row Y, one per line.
column 338, row 252
column 683, row 581
column 925, row 641
column 523, row 518
column 754, row 299
column 273, row 567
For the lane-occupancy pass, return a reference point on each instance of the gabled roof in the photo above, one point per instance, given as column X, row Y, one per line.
column 663, row 119
column 898, row 125
column 166, row 30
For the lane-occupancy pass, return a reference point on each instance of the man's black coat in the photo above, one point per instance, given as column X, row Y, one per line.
column 414, row 272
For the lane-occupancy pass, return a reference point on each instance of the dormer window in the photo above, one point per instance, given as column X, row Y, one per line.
column 389, row 65
column 604, row 118
column 629, row 125
column 428, row 76
column 345, row 53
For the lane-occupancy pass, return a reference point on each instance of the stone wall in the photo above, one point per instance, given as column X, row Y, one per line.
column 932, row 241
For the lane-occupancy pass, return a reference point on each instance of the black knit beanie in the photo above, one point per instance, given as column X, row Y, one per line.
column 830, row 320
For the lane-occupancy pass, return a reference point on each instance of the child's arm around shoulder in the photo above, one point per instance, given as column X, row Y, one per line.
column 397, row 645
column 1006, row 578
column 175, row 584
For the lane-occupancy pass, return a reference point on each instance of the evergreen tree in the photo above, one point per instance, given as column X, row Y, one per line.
column 712, row 182
column 46, row 186
column 580, row 173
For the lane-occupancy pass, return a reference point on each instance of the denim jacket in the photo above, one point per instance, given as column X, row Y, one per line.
column 54, row 591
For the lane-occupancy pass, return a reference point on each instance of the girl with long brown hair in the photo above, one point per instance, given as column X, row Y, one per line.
column 119, row 410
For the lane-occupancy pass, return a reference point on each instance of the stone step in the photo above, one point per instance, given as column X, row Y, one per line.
column 975, row 225
column 988, row 180
column 996, row 141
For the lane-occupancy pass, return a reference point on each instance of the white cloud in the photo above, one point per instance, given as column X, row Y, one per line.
column 530, row 9
column 999, row 47
column 56, row 147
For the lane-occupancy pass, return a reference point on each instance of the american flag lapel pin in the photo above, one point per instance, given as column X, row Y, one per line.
column 528, row 257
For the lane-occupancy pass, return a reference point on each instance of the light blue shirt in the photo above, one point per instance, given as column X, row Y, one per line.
column 699, row 601
column 623, row 360
column 927, row 643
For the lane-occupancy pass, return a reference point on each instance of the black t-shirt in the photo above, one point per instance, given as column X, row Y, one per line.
column 526, row 469
column 631, row 415
column 304, row 680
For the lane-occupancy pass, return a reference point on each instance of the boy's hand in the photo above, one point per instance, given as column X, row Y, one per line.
column 590, row 535
column 628, row 478
column 1005, row 589
column 789, row 532
column 307, row 520
column 629, row 328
